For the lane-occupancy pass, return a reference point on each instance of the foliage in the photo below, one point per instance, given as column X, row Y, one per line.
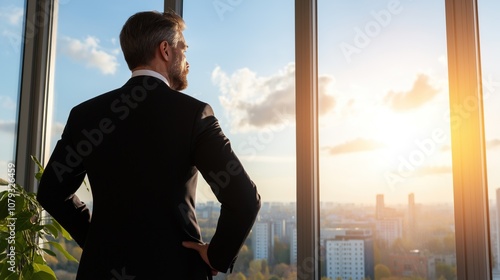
column 281, row 251
column 446, row 271
column 29, row 235
column 243, row 260
column 382, row 271
column 236, row 276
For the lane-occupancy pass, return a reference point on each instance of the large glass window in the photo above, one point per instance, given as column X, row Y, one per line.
column 490, row 43
column 11, row 39
column 385, row 160
column 89, row 62
column 241, row 56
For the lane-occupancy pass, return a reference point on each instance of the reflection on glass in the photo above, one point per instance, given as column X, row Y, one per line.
column 490, row 41
column 241, row 56
column 385, row 159
column 11, row 37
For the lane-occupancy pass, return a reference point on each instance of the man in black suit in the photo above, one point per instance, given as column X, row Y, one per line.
column 141, row 147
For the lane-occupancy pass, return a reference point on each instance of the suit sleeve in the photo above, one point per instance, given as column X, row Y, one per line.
column 240, row 201
column 61, row 178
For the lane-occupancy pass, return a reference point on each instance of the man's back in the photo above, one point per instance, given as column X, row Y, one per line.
column 141, row 147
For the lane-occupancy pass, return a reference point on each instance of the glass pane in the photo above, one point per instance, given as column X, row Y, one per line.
column 11, row 36
column 490, row 42
column 385, row 160
column 241, row 56
column 89, row 56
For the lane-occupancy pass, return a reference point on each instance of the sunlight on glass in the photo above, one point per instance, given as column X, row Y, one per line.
column 386, row 184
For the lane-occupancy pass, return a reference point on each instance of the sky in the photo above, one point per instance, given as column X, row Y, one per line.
column 384, row 111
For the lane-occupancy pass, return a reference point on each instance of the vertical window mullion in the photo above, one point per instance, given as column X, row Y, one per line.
column 468, row 144
column 37, row 66
column 306, row 92
column 176, row 5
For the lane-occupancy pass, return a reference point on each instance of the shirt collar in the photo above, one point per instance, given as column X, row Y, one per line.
column 146, row 72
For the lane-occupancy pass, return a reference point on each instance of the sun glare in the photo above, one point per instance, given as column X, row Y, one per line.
column 393, row 130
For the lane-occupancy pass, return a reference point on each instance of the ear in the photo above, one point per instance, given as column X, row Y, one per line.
column 165, row 50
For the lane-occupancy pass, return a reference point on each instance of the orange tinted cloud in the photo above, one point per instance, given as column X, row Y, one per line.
column 421, row 92
column 356, row 145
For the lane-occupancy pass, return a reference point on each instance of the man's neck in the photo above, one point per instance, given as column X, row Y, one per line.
column 146, row 71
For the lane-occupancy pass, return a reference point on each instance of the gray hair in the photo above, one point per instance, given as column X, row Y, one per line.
column 144, row 31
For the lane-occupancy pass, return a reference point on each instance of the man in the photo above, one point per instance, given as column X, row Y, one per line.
column 141, row 147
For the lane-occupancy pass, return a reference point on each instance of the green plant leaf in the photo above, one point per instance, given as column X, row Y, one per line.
column 64, row 233
column 23, row 221
column 39, row 174
column 4, row 203
column 39, row 259
column 43, row 275
column 49, row 252
column 52, row 230
column 6, row 274
column 63, row 251
column 12, row 276
column 40, row 166
column 36, row 271
column 3, row 246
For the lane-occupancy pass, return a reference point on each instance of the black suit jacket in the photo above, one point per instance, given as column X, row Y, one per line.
column 141, row 146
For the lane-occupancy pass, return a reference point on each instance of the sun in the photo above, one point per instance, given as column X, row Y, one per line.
column 396, row 131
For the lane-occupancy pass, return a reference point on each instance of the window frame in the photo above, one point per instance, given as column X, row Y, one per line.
column 36, row 88
column 468, row 143
column 470, row 187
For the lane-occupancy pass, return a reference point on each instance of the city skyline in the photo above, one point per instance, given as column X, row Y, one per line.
column 384, row 113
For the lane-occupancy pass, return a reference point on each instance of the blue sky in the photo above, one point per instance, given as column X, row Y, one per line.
column 383, row 87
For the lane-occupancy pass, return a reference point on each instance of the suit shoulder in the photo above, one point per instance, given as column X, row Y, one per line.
column 189, row 99
column 102, row 98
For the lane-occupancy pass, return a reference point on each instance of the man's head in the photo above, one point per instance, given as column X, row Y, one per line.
column 154, row 40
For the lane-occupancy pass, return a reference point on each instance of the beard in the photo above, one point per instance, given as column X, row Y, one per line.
column 178, row 75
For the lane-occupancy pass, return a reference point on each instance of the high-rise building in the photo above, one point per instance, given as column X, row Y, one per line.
column 412, row 218
column 380, row 207
column 350, row 255
column 262, row 240
column 388, row 223
column 412, row 263
column 389, row 230
column 293, row 246
column 279, row 228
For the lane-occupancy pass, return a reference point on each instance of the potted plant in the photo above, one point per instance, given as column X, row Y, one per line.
column 29, row 234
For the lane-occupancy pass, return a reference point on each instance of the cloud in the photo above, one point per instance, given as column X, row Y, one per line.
column 57, row 129
column 8, row 126
column 252, row 102
column 91, row 53
column 7, row 103
column 356, row 145
column 11, row 19
column 12, row 15
column 421, row 92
